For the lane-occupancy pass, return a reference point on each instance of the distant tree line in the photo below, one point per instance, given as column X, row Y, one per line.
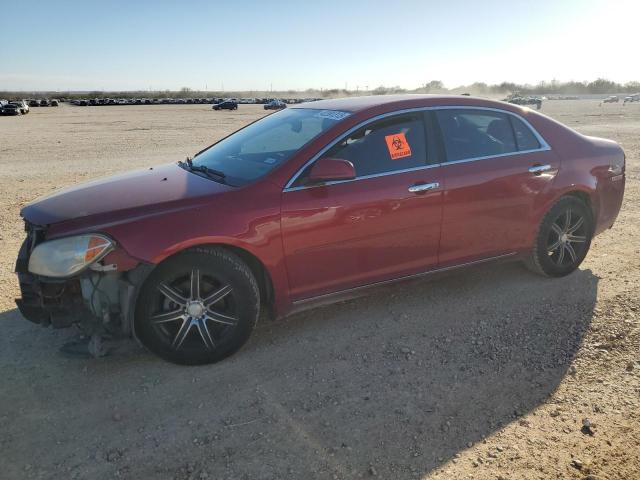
column 598, row 86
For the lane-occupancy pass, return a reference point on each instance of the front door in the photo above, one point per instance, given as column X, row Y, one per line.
column 382, row 225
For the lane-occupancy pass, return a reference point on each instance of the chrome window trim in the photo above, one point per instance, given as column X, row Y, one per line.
column 544, row 146
column 510, row 154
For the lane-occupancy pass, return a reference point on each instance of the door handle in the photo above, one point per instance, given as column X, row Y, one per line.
column 423, row 187
column 538, row 169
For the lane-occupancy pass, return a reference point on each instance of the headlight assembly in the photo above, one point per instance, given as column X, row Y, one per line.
column 64, row 257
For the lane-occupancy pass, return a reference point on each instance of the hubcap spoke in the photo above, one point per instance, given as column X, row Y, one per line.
column 220, row 318
column 203, row 329
column 558, row 241
column 567, row 220
column 572, row 253
column 561, row 255
column 576, row 238
column 554, row 246
column 183, row 331
column 172, row 294
column 195, row 284
column 576, row 225
column 557, row 229
column 217, row 296
column 168, row 316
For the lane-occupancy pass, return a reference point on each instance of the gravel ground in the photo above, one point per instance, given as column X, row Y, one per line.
column 490, row 373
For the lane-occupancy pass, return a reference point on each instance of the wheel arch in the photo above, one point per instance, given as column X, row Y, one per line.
column 261, row 273
column 585, row 197
column 259, row 270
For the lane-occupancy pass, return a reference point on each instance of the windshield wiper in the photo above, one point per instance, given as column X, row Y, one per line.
column 209, row 172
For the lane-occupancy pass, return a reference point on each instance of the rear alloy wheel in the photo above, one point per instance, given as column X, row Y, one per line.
column 197, row 307
column 564, row 238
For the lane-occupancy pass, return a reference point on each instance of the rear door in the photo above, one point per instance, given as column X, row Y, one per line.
column 496, row 171
column 381, row 225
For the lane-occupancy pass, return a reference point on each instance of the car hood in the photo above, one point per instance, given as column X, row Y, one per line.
column 149, row 190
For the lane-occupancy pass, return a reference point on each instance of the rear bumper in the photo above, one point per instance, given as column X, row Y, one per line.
column 610, row 194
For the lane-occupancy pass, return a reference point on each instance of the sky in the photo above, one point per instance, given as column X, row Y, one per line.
column 282, row 45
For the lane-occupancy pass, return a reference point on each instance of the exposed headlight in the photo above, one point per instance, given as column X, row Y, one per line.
column 67, row 256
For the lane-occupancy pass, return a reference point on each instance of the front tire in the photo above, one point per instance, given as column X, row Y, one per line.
column 197, row 307
column 563, row 239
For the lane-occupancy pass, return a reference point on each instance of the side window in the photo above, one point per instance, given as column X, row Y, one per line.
column 525, row 139
column 391, row 144
column 475, row 133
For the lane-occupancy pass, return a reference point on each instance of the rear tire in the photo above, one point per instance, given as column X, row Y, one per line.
column 563, row 239
column 197, row 307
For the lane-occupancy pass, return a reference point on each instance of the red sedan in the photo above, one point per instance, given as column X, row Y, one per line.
column 311, row 204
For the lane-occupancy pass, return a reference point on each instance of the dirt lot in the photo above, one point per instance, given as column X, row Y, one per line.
column 483, row 374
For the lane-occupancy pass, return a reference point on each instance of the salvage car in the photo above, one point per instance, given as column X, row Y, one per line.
column 312, row 204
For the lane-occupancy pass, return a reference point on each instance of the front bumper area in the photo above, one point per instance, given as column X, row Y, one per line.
column 49, row 302
column 54, row 302
column 97, row 300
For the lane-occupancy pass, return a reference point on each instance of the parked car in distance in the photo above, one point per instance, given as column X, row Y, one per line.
column 225, row 105
column 34, row 103
column 275, row 105
column 54, row 103
column 22, row 105
column 11, row 108
column 611, row 99
column 520, row 100
column 44, row 102
column 314, row 203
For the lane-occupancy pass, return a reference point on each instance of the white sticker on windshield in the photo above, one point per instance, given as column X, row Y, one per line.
column 332, row 114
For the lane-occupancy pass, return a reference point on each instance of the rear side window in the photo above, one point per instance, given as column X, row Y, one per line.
column 475, row 133
column 525, row 139
column 387, row 145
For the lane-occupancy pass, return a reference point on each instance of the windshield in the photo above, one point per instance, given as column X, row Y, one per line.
column 254, row 151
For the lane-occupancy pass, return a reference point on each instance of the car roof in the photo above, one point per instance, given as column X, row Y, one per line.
column 397, row 102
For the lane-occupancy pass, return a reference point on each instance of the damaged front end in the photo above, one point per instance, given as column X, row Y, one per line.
column 99, row 297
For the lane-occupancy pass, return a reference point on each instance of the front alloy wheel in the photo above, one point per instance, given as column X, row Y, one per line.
column 187, row 309
column 197, row 307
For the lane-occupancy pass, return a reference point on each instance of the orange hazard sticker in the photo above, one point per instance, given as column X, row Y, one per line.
column 398, row 146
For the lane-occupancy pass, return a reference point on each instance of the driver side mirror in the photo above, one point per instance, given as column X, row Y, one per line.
column 331, row 169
